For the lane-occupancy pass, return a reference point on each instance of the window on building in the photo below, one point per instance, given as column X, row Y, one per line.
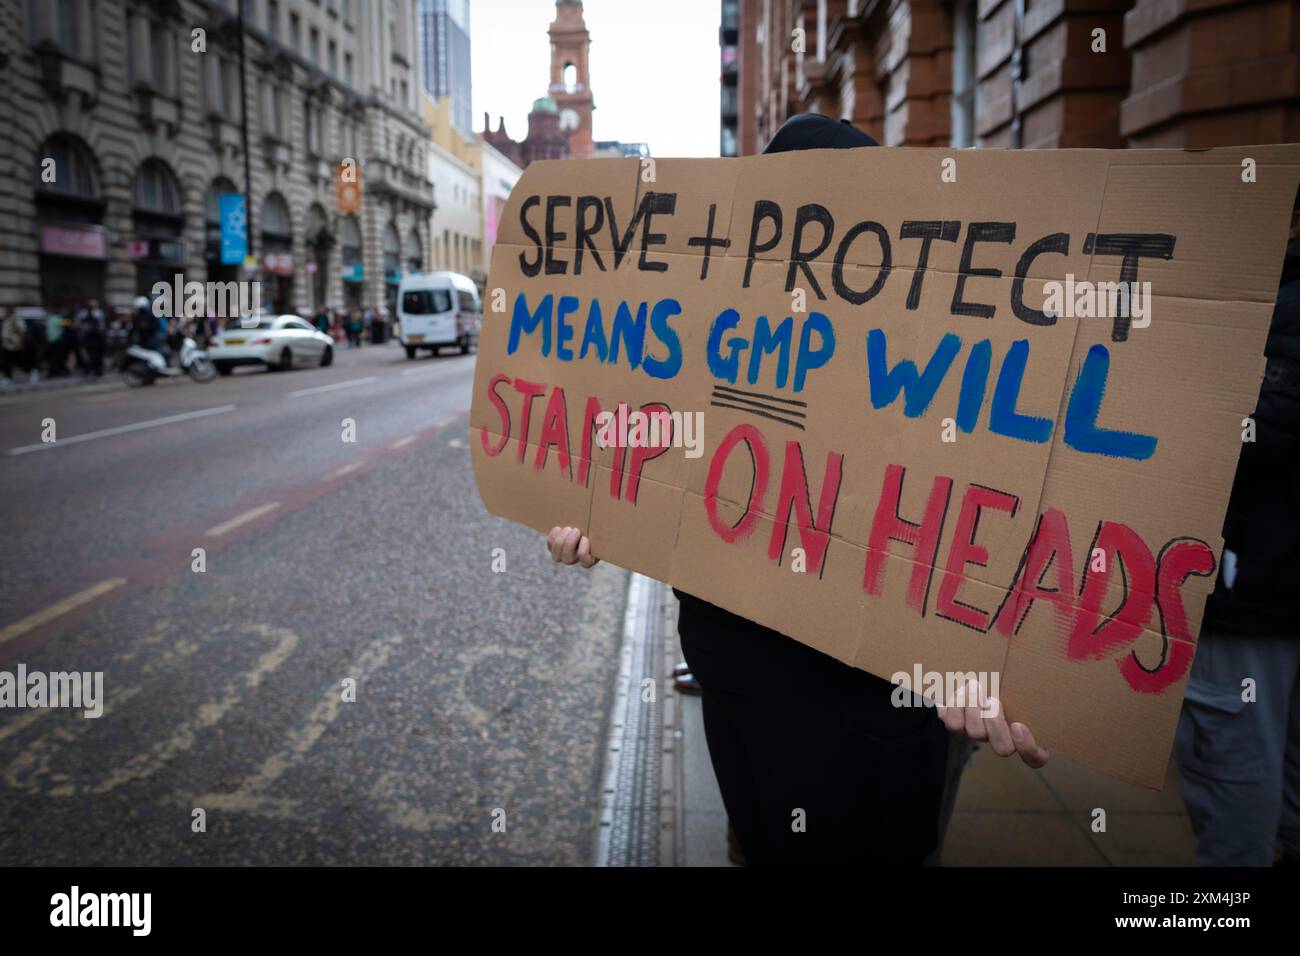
column 347, row 68
column 334, row 58
column 156, row 189
column 275, row 216
column 68, row 24
column 347, row 12
column 313, row 46
column 963, row 73
column 74, row 168
column 230, row 82
column 295, row 32
column 273, row 110
column 163, row 60
column 214, row 84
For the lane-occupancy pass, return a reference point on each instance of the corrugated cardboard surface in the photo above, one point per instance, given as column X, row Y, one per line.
column 1189, row 378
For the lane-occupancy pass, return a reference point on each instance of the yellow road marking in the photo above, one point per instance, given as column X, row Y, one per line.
column 62, row 607
column 251, row 515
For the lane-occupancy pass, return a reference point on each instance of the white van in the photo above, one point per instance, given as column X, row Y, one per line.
column 436, row 309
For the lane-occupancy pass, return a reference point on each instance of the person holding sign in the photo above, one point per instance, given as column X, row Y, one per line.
column 1238, row 742
column 816, row 764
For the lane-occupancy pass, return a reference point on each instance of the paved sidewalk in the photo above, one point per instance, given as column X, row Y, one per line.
column 24, row 386
column 1006, row 813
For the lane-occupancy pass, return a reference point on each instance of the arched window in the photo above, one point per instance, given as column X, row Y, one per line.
column 72, row 172
column 392, row 245
column 156, row 189
column 570, row 78
column 317, row 224
column 275, row 216
column 212, row 210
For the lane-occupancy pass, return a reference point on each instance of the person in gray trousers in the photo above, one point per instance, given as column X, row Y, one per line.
column 1238, row 740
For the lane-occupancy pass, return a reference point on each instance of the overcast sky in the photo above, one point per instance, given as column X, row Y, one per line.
column 654, row 68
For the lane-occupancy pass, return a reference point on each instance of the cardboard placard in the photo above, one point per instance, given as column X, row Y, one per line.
column 962, row 411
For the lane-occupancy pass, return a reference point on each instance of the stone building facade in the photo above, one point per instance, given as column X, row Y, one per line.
column 1024, row 73
column 124, row 122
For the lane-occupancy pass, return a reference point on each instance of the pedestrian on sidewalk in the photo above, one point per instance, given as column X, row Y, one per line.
column 91, row 332
column 34, row 341
column 56, row 358
column 792, row 729
column 116, row 339
column 354, row 330
column 1238, row 741
column 11, row 343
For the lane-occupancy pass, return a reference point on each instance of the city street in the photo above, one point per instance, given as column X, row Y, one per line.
column 481, row 698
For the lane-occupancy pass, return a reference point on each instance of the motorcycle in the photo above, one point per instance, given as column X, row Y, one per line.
column 145, row 366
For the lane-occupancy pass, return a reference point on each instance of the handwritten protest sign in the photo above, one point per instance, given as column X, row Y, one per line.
column 930, row 412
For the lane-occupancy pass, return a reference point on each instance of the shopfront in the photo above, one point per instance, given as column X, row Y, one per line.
column 319, row 243
column 218, row 271
column 156, row 246
column 277, row 256
column 72, row 241
column 350, row 252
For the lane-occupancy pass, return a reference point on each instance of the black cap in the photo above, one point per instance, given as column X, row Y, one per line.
column 815, row 131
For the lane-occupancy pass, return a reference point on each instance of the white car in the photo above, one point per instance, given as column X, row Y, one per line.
column 279, row 344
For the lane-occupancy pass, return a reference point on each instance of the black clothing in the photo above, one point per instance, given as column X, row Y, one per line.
column 1262, row 528
column 792, row 729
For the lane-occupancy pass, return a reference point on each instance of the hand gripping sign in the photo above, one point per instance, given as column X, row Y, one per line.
column 909, row 462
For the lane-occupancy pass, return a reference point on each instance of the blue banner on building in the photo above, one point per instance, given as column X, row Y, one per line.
column 234, row 229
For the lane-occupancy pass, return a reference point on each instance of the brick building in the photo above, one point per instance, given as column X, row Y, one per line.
column 1021, row 73
column 559, row 124
column 140, row 116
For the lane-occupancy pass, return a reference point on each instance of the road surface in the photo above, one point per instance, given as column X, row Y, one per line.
column 333, row 569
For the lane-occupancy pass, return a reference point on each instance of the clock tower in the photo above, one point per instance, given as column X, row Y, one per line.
column 570, row 79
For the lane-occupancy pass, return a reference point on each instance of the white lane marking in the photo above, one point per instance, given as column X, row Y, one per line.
column 60, row 608
column 122, row 429
column 148, row 762
column 250, row 515
column 340, row 472
column 402, row 442
column 330, row 388
column 254, row 792
column 421, row 369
